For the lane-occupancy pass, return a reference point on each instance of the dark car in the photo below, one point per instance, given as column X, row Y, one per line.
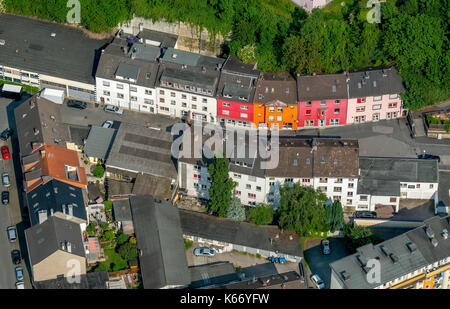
column 365, row 214
column 15, row 256
column 6, row 134
column 5, row 197
column 430, row 157
column 76, row 104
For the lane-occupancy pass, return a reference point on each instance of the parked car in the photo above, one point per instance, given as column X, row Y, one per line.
column 7, row 133
column 430, row 157
column 20, row 285
column 12, row 233
column 5, row 197
column 204, row 252
column 16, row 258
column 5, row 180
column 366, row 214
column 108, row 124
column 5, row 153
column 76, row 104
column 19, row 273
column 317, row 281
column 325, row 243
column 113, row 109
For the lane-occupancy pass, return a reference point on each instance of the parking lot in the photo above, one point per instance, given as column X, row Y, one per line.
column 246, row 265
column 319, row 263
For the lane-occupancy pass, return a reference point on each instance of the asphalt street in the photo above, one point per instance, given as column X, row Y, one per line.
column 11, row 215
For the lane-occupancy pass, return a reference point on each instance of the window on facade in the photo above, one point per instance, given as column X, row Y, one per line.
column 279, row 118
column 224, row 104
column 337, row 189
column 106, row 84
column 361, row 100
column 349, row 193
column 306, row 180
column 237, row 192
column 392, row 105
column 244, row 108
column 337, row 110
column 431, row 186
column 252, row 195
column 350, row 185
column 162, row 100
column 194, row 106
column 244, row 115
column 258, row 188
column 279, row 109
column 336, row 197
column 360, row 108
column 271, row 109
column 161, row 92
column 323, row 180
column 133, row 89
column 184, row 97
column 309, row 103
column 323, row 102
column 376, row 117
column 288, row 180
column 225, row 112
column 308, row 112
column 132, row 98
column 377, row 98
column 119, row 86
column 107, row 93
column 393, row 200
column 204, row 108
column 393, row 96
column 349, row 201
column 363, row 198
column 148, row 92
column 120, row 96
column 309, row 123
column 334, row 122
column 271, row 118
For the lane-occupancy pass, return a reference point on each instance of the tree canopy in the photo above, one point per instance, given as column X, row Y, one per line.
column 221, row 189
column 261, row 215
column 334, row 216
column 302, row 210
column 236, row 211
column 412, row 35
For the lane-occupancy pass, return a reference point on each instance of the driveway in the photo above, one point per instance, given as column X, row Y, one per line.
column 319, row 263
column 246, row 265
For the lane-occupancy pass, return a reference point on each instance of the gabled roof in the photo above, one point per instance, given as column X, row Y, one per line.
column 240, row 233
column 56, row 196
column 91, row 281
column 234, row 66
column 322, row 87
column 270, row 87
column 38, row 121
column 375, row 83
column 162, row 258
column 50, row 236
column 122, row 210
column 398, row 256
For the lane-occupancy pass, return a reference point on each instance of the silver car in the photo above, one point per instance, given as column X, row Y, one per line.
column 12, row 233
column 20, row 285
column 204, row 252
column 5, row 180
column 19, row 273
column 318, row 281
column 108, row 124
column 113, row 109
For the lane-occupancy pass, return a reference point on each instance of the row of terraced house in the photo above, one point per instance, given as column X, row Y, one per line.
column 147, row 74
column 137, row 76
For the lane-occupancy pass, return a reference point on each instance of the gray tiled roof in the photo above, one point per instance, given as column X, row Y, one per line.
column 45, row 239
column 375, row 83
column 92, row 280
column 235, row 66
column 182, row 57
column 322, row 87
column 127, row 71
column 166, row 39
column 239, row 233
column 144, row 52
column 408, row 260
column 122, row 210
column 70, row 54
column 162, row 258
column 38, row 120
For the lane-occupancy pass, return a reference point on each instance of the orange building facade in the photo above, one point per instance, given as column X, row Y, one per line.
column 275, row 103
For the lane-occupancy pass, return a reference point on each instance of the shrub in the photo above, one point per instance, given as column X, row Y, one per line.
column 122, row 238
column 91, row 229
column 108, row 235
column 188, row 244
column 108, row 205
column 261, row 215
column 99, row 171
column 128, row 251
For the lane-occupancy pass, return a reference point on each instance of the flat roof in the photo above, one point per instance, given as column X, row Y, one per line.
column 99, row 142
column 29, row 45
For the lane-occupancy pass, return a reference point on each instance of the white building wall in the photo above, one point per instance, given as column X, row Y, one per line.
column 418, row 190
column 135, row 97
column 177, row 103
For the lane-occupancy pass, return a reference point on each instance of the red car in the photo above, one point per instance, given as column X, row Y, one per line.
column 5, row 153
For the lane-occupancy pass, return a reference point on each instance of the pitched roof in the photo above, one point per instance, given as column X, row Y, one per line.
column 322, row 87
column 159, row 239
column 122, row 210
column 70, row 54
column 99, row 142
column 38, row 121
column 375, row 83
column 235, row 66
column 91, row 281
column 166, row 40
column 239, row 233
column 280, row 87
column 212, row 274
column 56, row 196
column 236, row 88
column 398, row 256
column 48, row 237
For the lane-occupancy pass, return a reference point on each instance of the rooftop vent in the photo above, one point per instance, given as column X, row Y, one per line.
column 393, row 257
column 411, row 246
column 434, row 242
column 366, row 75
column 174, row 56
column 374, row 83
column 345, row 275
column 359, row 85
column 445, row 233
column 2, row 42
column 429, row 232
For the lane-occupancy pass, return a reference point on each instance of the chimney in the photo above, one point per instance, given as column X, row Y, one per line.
column 43, row 153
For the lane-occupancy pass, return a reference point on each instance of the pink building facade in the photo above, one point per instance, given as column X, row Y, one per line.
column 374, row 95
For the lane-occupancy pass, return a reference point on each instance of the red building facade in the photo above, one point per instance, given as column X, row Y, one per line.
column 235, row 113
column 322, row 100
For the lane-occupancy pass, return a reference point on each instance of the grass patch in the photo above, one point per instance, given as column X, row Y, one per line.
column 114, row 262
column 187, row 244
column 26, row 88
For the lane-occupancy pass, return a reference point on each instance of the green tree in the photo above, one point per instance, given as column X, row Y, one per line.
column 301, row 210
column 261, row 215
column 108, row 235
column 220, row 191
column 236, row 211
column 91, row 229
column 98, row 171
column 128, row 251
column 356, row 236
column 122, row 238
column 334, row 216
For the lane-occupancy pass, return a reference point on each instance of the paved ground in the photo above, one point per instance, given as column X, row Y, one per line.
column 11, row 215
column 319, row 263
column 95, row 115
column 251, row 266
